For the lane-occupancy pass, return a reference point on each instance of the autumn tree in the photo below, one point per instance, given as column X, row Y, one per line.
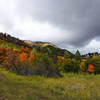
column 23, row 57
column 26, row 50
column 90, row 68
column 2, row 54
column 95, row 62
column 82, row 66
column 61, row 59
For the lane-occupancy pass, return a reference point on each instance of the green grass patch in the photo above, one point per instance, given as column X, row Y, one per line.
column 70, row 87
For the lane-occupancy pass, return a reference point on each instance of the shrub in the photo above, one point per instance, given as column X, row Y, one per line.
column 95, row 62
column 71, row 65
column 24, row 62
column 45, row 65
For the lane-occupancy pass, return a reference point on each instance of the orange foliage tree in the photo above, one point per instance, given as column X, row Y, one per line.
column 26, row 50
column 23, row 57
column 61, row 59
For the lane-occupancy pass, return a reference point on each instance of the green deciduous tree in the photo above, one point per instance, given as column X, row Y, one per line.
column 67, row 54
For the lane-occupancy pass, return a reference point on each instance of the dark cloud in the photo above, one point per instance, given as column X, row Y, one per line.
column 79, row 18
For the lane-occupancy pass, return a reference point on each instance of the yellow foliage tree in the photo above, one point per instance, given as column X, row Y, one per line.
column 61, row 59
column 82, row 66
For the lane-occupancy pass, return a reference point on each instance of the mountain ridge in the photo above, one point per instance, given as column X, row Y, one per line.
column 31, row 44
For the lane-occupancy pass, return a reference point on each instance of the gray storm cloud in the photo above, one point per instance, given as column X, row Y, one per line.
column 81, row 17
column 74, row 22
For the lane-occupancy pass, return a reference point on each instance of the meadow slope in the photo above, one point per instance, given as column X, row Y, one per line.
column 70, row 87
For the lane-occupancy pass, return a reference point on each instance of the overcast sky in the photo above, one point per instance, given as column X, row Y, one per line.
column 70, row 24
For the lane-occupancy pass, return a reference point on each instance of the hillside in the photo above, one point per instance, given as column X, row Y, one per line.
column 43, row 45
column 30, row 58
column 15, row 41
column 8, row 39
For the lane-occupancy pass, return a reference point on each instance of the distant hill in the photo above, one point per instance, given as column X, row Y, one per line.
column 38, row 45
column 41, row 45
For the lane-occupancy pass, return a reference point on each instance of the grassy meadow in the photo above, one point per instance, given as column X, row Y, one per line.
column 69, row 87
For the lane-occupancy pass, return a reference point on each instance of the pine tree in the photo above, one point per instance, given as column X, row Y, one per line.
column 77, row 55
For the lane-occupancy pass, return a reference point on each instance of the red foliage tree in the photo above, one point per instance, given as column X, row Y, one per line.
column 91, row 68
